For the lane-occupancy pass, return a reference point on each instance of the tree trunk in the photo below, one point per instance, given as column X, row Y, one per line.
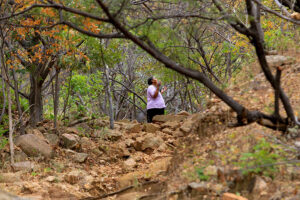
column 68, row 95
column 56, row 97
column 10, row 137
column 22, row 129
column 35, row 101
column 108, row 90
column 4, row 100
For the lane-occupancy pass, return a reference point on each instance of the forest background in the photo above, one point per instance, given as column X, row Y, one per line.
column 63, row 60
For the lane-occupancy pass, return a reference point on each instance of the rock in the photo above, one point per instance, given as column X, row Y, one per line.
column 187, row 126
column 167, row 131
column 69, row 141
column 163, row 147
column 97, row 152
column 230, row 196
column 259, row 185
column 138, row 143
column 130, row 163
column 33, row 145
column 297, row 144
column 86, row 143
column 171, row 118
column 198, row 188
column 218, row 188
column 8, row 196
column 34, row 132
column 74, row 176
column 80, row 157
column 151, row 142
column 31, row 187
column 135, row 128
column 129, row 142
column 171, row 124
column 42, row 129
column 58, row 193
column 10, row 177
column 26, row 165
column 178, row 133
column 160, row 166
column 50, row 178
column 72, row 130
column 151, row 128
column 130, row 178
column 279, row 60
column 113, row 135
column 184, row 113
column 20, row 156
column 87, row 182
column 53, row 139
column 211, row 170
column 117, row 150
column 131, row 196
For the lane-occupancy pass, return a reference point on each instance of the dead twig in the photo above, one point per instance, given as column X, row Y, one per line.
column 119, row 191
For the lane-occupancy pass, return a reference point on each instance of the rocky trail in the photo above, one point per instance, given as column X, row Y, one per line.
column 182, row 156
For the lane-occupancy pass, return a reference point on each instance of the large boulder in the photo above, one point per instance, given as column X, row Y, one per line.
column 33, row 145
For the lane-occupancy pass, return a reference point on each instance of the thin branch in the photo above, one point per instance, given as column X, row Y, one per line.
column 282, row 8
column 56, row 6
column 277, row 86
column 129, row 90
column 269, row 10
column 89, row 33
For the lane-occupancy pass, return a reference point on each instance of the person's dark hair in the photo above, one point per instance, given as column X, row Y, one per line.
column 150, row 80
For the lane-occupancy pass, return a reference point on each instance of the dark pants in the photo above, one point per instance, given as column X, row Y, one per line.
column 154, row 111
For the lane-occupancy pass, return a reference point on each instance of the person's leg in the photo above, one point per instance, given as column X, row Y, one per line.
column 158, row 111
column 161, row 111
column 150, row 114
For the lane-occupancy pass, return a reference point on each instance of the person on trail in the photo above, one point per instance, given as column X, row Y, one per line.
column 155, row 102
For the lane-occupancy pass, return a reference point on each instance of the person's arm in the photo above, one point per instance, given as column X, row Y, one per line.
column 153, row 91
column 156, row 91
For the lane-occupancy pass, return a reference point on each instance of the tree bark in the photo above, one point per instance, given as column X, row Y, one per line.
column 35, row 101
column 56, row 97
column 108, row 90
column 10, row 137
column 18, row 102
